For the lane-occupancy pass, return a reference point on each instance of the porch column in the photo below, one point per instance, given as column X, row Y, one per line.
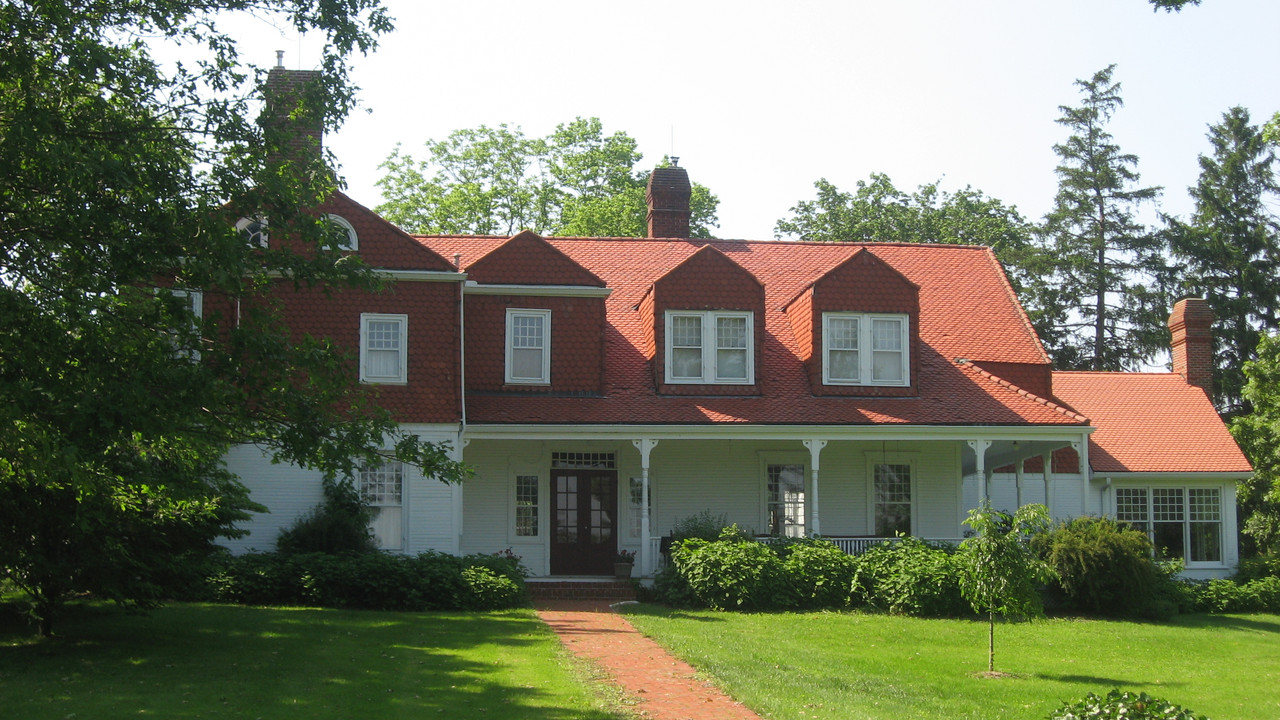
column 1020, row 475
column 980, row 452
column 1047, row 459
column 815, row 449
column 645, row 446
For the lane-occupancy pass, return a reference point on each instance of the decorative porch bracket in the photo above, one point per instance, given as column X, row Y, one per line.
column 815, row 449
column 645, row 446
column 980, row 452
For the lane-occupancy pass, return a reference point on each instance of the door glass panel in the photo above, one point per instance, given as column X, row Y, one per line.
column 567, row 509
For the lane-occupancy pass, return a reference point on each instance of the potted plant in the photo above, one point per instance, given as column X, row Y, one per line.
column 623, row 562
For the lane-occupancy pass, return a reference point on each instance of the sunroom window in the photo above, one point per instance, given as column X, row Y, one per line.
column 710, row 347
column 865, row 349
column 1181, row 522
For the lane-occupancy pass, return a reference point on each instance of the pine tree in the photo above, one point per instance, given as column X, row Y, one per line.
column 1231, row 249
column 1106, row 267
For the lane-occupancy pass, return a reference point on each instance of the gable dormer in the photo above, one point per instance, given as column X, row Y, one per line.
column 535, row 321
column 379, row 244
column 857, row 328
column 707, row 318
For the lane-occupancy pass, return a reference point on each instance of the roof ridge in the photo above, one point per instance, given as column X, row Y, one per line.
column 1056, row 407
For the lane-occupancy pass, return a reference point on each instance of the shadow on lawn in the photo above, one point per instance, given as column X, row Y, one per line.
column 189, row 660
column 1101, row 681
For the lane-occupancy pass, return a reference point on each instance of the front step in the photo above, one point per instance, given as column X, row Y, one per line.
column 600, row 589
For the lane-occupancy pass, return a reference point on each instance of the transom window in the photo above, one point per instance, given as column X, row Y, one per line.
column 785, row 504
column 1181, row 522
column 865, row 349
column 528, row 346
column 383, row 348
column 715, row 346
column 891, row 487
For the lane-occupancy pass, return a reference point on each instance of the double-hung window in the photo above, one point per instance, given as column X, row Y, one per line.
column 384, row 348
column 528, row 347
column 527, row 505
column 382, row 486
column 865, row 349
column 710, row 347
column 1181, row 522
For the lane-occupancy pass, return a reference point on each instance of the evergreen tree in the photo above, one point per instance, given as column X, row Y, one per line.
column 1107, row 270
column 1231, row 249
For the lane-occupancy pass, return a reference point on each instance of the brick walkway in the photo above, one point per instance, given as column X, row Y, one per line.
column 664, row 686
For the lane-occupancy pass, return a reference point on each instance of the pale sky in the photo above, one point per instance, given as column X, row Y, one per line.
column 760, row 99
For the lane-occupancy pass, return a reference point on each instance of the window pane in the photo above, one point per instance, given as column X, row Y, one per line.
column 382, row 363
column 886, row 334
column 1131, row 504
column 886, row 366
column 526, row 363
column 731, row 364
column 1206, row 542
column 892, row 490
column 1203, row 504
column 786, row 500
column 526, row 331
column 527, row 505
column 731, row 332
column 843, row 365
column 1166, row 504
column 382, row 485
column 686, row 363
column 1168, row 539
column 383, row 335
column 686, row 331
column 842, row 333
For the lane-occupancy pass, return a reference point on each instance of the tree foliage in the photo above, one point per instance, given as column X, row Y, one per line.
column 120, row 173
column 1258, row 434
column 497, row 181
column 1107, row 270
column 999, row 572
column 1230, row 248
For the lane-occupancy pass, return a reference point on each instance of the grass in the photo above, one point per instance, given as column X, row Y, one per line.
column 215, row 661
column 876, row 667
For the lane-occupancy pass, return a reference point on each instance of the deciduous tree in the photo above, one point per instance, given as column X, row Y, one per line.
column 497, row 181
column 120, row 174
column 1259, row 436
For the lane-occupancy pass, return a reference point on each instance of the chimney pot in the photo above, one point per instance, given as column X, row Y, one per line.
column 668, row 195
column 1190, row 325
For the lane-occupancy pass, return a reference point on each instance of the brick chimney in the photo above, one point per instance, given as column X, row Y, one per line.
column 668, row 198
column 292, row 129
column 1192, row 342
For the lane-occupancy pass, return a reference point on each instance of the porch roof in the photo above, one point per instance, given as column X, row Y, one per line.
column 1150, row 422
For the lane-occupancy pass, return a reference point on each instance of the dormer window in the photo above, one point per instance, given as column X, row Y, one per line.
column 865, row 349
column 528, row 347
column 710, row 347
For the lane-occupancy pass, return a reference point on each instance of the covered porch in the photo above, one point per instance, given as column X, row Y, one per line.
column 543, row 491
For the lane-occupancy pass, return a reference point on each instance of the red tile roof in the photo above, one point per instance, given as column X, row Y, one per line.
column 967, row 311
column 1149, row 422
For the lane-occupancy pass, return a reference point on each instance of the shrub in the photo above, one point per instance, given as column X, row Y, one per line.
column 1229, row 596
column 733, row 573
column 372, row 581
column 1122, row 706
column 820, row 574
column 671, row 588
column 1258, row 567
column 339, row 524
column 911, row 577
column 1105, row 568
column 703, row 525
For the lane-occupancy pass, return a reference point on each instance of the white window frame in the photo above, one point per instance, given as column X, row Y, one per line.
column 538, row 505
column 800, row 460
column 365, row 375
column 352, row 242
column 195, row 301
column 387, row 523
column 634, row 488
column 545, row 377
column 259, row 237
column 866, row 350
column 891, row 458
column 710, row 347
column 1148, row 521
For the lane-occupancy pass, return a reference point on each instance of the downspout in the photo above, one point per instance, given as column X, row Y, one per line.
column 462, row 393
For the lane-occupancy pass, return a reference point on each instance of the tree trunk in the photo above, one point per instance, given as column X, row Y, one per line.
column 991, row 641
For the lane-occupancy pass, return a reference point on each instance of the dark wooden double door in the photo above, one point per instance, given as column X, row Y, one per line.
column 584, row 521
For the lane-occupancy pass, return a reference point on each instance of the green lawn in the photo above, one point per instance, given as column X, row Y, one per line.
column 211, row 661
column 851, row 665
